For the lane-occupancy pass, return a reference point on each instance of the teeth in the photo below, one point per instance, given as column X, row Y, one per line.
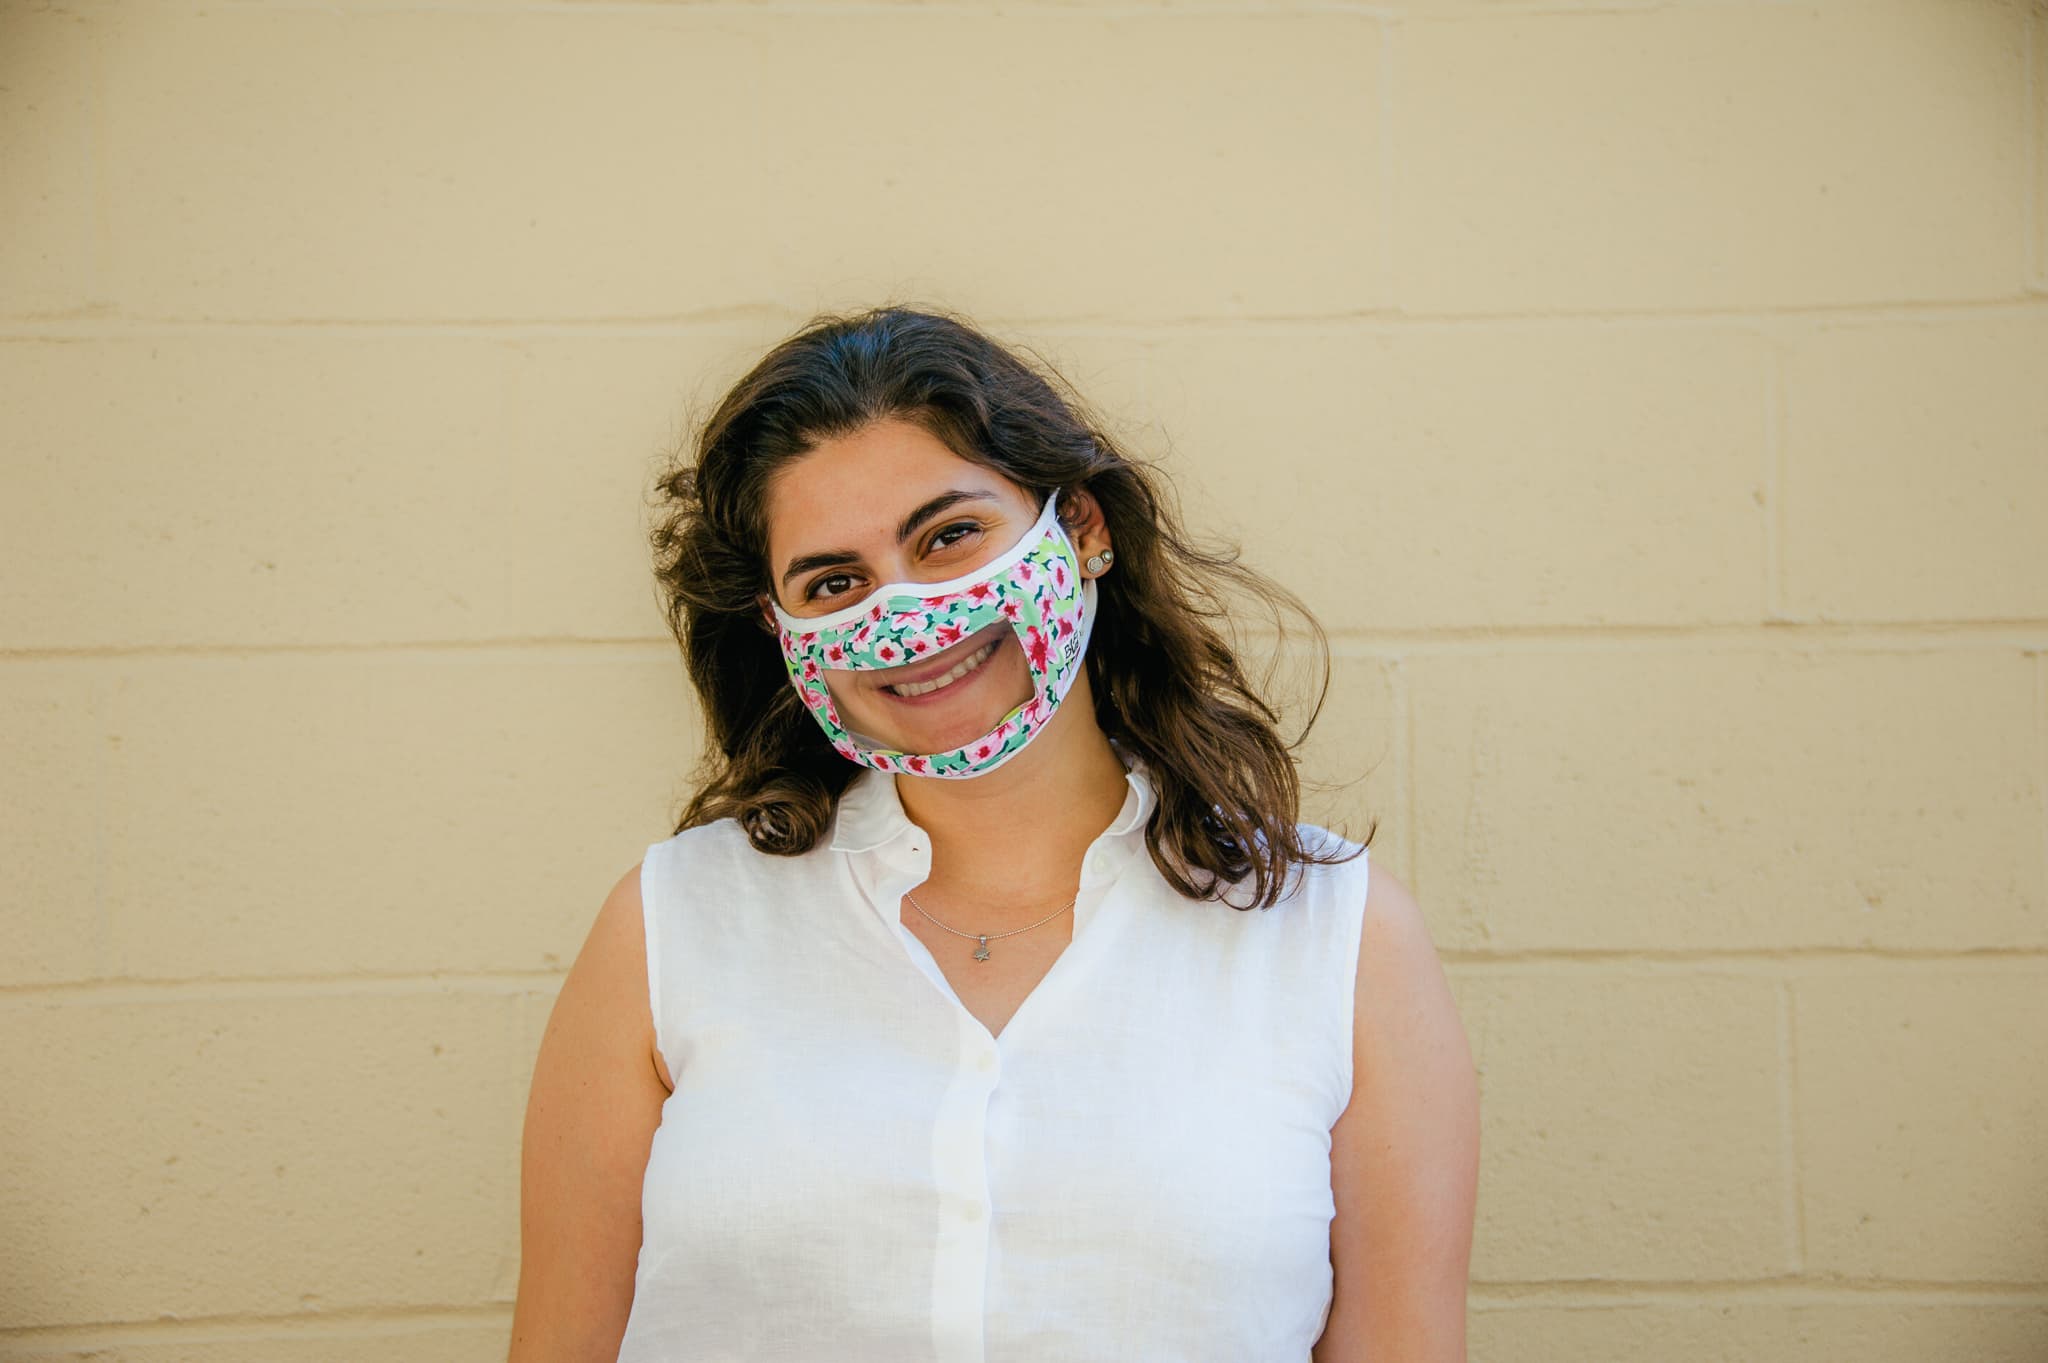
column 920, row 688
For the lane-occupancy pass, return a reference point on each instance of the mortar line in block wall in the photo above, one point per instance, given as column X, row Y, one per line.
column 1381, row 322
column 100, row 713
column 99, row 253
column 1775, row 417
column 1788, row 1138
column 1135, row 9
column 122, row 992
column 1764, row 962
column 1497, row 1296
column 1128, row 9
column 1386, row 148
column 1944, row 637
column 2035, row 172
column 633, row 650
column 2041, row 750
column 1941, row 638
column 357, row 1325
column 1404, row 791
column 1780, row 963
column 1504, row 1295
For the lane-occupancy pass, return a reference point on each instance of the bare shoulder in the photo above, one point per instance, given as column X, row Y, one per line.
column 1396, row 953
column 1406, row 1027
column 617, row 952
column 591, row 1114
column 1405, row 1152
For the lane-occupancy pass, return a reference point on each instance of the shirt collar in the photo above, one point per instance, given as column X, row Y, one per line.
column 871, row 815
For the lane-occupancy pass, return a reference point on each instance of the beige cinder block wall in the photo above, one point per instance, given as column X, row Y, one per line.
column 1651, row 399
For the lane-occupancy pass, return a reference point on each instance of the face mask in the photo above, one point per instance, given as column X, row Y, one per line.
column 1036, row 588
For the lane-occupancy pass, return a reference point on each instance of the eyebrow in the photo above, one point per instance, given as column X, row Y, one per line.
column 833, row 558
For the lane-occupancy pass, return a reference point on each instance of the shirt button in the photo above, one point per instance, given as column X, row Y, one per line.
column 972, row 1211
column 986, row 1063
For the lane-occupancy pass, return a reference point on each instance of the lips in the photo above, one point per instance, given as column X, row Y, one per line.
column 947, row 661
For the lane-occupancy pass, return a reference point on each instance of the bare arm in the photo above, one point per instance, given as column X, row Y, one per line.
column 1405, row 1155
column 590, row 1119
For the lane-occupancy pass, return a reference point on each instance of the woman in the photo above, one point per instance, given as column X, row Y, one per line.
column 989, row 1003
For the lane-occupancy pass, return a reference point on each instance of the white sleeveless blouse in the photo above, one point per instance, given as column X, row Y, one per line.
column 853, row 1170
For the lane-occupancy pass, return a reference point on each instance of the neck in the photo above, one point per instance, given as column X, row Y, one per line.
column 1055, row 797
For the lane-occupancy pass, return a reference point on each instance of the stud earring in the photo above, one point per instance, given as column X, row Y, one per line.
column 1097, row 562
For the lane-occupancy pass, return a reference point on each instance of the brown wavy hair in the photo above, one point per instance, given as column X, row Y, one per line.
column 1167, row 685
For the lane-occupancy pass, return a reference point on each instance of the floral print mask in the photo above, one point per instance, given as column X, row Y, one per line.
column 1036, row 586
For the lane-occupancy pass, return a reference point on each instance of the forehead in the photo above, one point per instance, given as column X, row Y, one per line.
column 850, row 492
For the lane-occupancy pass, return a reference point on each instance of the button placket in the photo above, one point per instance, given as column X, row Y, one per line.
column 960, row 1164
column 892, row 856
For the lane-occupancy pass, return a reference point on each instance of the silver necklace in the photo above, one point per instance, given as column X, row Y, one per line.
column 981, row 951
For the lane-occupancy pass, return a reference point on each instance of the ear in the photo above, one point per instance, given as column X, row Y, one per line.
column 769, row 623
column 1082, row 518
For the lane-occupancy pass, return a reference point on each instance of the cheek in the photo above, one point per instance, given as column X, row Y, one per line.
column 1018, row 669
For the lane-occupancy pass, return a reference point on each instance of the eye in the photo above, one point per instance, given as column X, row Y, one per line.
column 811, row 592
column 938, row 541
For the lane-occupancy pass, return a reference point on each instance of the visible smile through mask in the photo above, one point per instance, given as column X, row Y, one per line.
column 1036, row 587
